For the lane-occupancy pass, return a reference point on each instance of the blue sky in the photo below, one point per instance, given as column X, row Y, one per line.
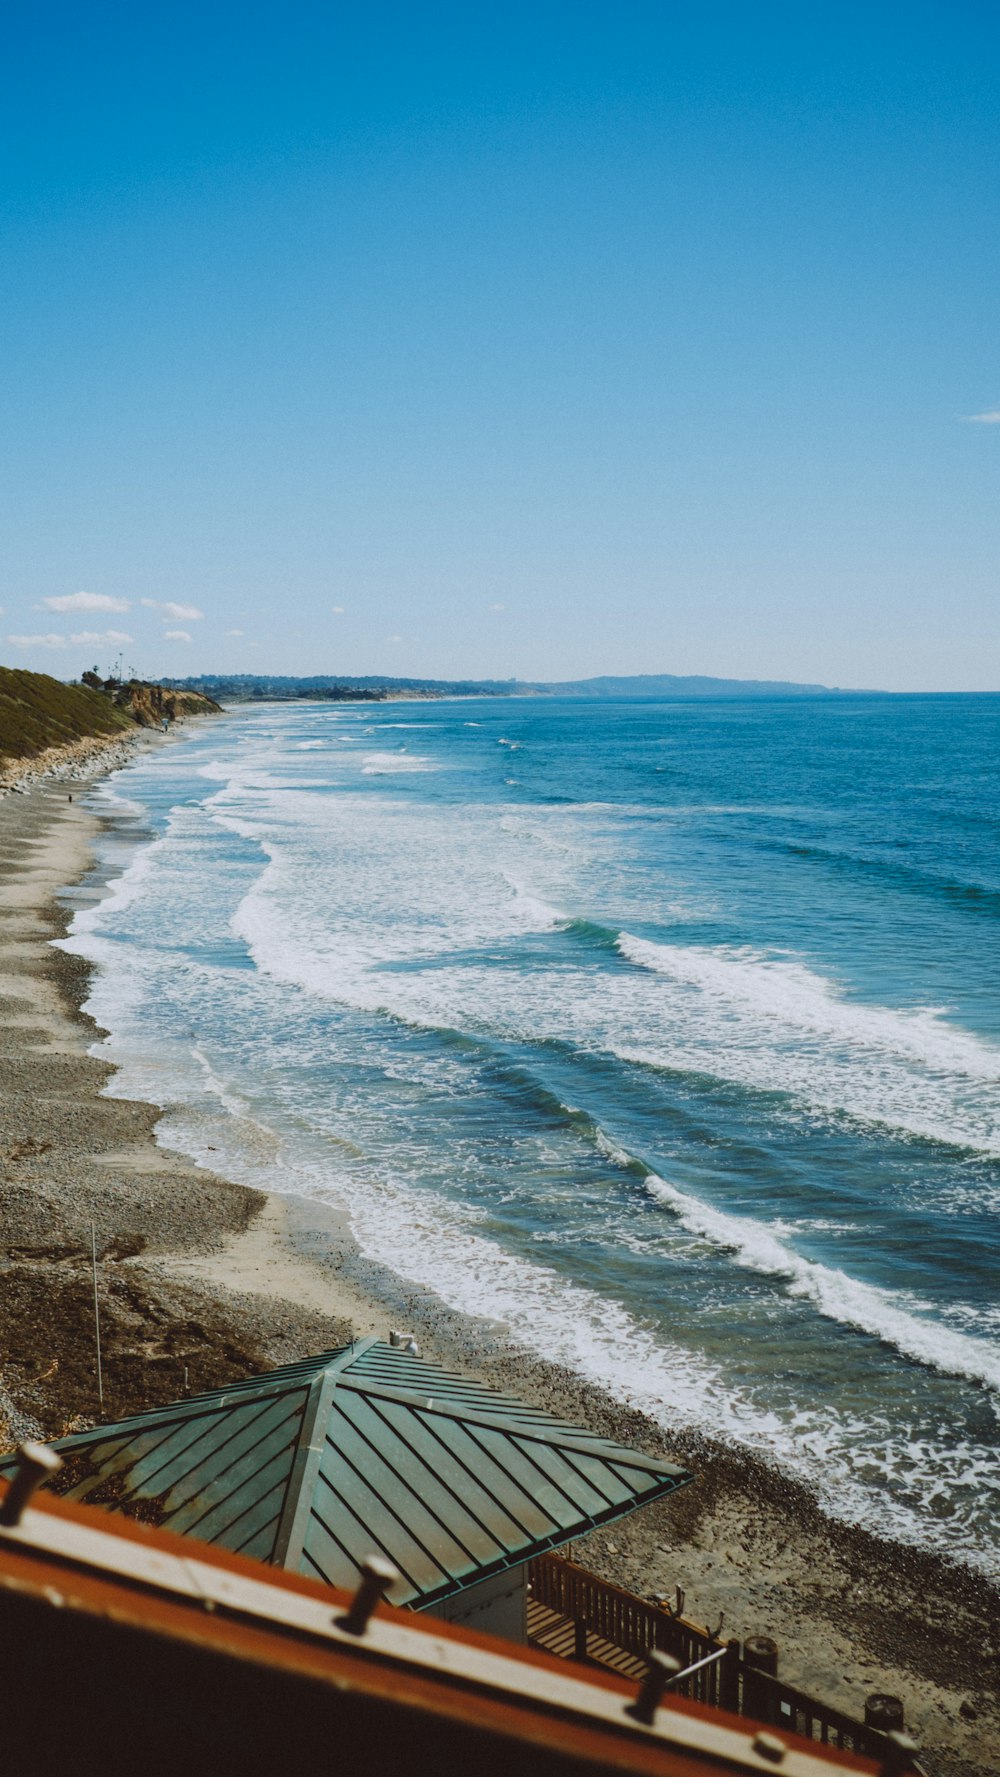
column 538, row 341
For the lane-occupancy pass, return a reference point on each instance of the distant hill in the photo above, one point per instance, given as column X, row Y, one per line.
column 239, row 687
column 675, row 685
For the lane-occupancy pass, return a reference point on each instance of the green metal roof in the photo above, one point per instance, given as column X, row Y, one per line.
column 364, row 1450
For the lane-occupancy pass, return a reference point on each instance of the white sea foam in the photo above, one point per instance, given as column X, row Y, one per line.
column 611, row 1150
column 349, row 907
column 435, row 1244
column 910, row 1326
column 837, row 1296
column 120, row 892
column 110, row 800
column 377, row 884
column 232, row 1101
column 776, row 1025
column 387, row 764
column 535, row 914
column 797, row 998
column 345, row 973
column 349, row 965
column 407, row 887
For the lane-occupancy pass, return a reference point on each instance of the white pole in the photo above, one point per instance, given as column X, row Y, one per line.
column 97, row 1316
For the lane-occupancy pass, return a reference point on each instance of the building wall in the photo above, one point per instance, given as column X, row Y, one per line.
column 497, row 1606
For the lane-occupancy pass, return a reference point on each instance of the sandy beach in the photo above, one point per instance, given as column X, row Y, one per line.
column 202, row 1281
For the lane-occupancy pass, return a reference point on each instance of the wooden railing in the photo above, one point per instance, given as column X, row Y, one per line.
column 608, row 1622
column 782, row 1706
column 634, row 1625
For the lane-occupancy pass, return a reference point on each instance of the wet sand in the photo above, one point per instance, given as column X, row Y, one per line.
column 202, row 1281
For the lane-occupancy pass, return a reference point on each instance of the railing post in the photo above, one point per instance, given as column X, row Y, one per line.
column 729, row 1678
column 884, row 1712
column 760, row 1658
column 579, row 1639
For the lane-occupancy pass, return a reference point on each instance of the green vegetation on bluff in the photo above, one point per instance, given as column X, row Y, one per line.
column 37, row 712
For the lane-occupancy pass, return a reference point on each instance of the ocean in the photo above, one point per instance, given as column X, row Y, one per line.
column 665, row 1033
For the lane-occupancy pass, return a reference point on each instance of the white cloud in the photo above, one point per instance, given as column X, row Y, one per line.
column 112, row 638
column 498, row 607
column 85, row 601
column 394, row 638
column 338, row 610
column 179, row 613
column 234, row 632
column 176, row 635
column 991, row 418
column 84, row 638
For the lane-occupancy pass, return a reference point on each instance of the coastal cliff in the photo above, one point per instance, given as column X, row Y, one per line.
column 48, row 728
column 38, row 712
column 151, row 705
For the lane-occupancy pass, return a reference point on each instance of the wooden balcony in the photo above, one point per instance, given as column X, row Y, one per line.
column 576, row 1616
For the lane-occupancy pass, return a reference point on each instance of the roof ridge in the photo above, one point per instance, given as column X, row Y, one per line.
column 290, row 1535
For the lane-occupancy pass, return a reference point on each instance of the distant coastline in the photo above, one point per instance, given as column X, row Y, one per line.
column 345, row 688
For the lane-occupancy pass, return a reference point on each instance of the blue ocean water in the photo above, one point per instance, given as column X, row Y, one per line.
column 667, row 1034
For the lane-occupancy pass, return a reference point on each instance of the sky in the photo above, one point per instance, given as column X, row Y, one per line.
column 538, row 341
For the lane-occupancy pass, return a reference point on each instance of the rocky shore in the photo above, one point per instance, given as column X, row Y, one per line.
column 77, row 763
column 202, row 1281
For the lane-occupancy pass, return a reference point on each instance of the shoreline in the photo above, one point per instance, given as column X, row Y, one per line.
column 203, row 1281
column 80, row 761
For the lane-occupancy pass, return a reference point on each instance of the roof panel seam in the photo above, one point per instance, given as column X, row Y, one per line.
column 408, row 1529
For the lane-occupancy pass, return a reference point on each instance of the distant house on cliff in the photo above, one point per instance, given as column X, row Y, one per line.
column 370, row 1450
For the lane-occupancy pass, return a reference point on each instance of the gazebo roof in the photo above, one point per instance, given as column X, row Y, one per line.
column 364, row 1450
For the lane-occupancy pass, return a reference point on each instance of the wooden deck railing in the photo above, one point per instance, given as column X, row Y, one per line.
column 573, row 1613
column 621, row 1620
